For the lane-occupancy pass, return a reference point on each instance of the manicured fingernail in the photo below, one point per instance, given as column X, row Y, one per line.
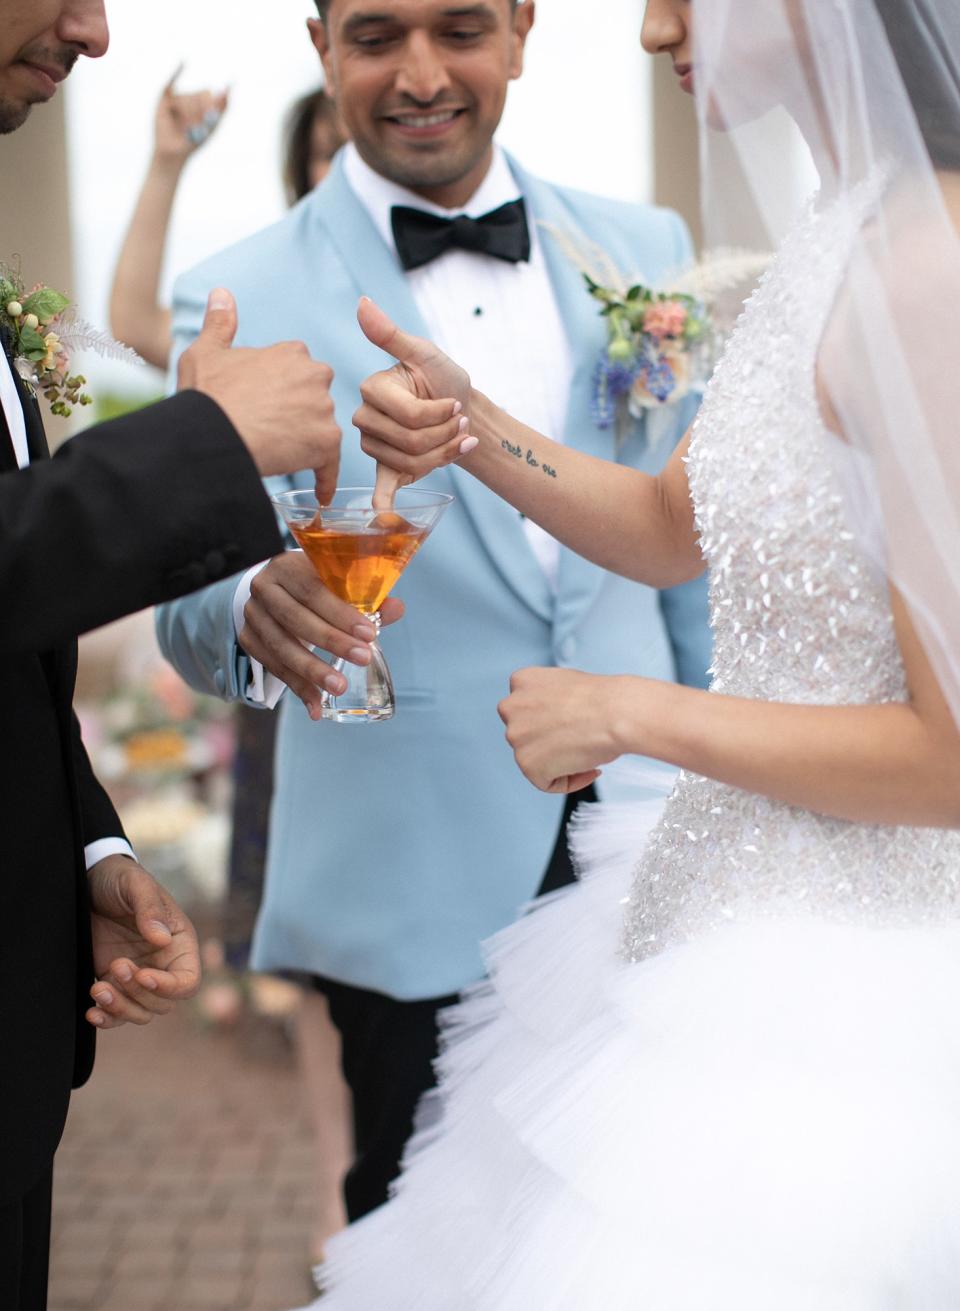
column 124, row 973
column 335, row 683
column 97, row 1018
column 157, row 927
column 469, row 445
column 457, row 407
column 104, row 998
column 359, row 655
column 366, row 632
column 464, row 424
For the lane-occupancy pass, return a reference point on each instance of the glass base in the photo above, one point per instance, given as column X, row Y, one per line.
column 358, row 715
column 369, row 698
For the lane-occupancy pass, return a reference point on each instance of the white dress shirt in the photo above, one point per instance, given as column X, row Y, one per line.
column 499, row 320
column 13, row 413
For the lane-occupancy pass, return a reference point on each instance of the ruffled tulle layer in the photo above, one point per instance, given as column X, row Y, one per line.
column 765, row 1119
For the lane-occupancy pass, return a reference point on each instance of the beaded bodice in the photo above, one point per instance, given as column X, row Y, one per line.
column 800, row 613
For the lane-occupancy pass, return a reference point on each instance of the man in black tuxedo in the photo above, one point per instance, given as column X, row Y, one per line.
column 129, row 514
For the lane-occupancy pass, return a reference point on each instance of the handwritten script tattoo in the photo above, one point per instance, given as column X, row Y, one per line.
column 531, row 459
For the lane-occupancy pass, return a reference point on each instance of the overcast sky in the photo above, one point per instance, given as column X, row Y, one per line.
column 578, row 116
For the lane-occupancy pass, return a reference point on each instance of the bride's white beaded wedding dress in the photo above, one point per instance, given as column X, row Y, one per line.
column 755, row 1104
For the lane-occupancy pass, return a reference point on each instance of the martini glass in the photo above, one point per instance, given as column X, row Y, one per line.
column 359, row 553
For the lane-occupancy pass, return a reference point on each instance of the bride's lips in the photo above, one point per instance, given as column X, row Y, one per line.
column 46, row 77
column 425, row 126
column 685, row 73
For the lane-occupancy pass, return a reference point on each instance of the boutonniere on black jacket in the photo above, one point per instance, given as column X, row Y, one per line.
column 42, row 332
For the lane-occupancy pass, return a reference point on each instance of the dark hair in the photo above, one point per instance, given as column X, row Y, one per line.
column 303, row 116
column 927, row 59
column 323, row 7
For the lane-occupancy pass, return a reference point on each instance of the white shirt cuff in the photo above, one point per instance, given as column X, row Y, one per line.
column 263, row 688
column 104, row 847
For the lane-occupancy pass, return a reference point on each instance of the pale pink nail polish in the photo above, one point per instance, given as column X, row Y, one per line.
column 470, row 444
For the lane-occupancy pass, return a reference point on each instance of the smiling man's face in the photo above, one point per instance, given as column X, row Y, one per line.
column 421, row 84
column 40, row 41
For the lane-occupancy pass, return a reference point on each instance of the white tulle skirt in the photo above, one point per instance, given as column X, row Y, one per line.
column 764, row 1119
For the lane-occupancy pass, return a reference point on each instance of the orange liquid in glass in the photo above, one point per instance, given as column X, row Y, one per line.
column 360, row 566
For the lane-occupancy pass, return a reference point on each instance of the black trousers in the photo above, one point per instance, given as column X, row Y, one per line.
column 25, row 1248
column 389, row 1048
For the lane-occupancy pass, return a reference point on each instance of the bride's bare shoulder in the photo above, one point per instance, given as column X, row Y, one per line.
column 903, row 277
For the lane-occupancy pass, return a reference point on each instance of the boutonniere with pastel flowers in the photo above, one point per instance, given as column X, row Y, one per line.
column 658, row 348
column 662, row 342
column 43, row 332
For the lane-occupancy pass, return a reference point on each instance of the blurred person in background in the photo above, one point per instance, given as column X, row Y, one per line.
column 312, row 135
column 182, row 124
column 119, row 519
column 385, row 908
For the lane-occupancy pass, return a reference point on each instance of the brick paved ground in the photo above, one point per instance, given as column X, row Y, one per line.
column 183, row 1180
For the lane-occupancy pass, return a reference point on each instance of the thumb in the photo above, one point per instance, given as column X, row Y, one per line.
column 150, row 912
column 220, row 321
column 380, row 329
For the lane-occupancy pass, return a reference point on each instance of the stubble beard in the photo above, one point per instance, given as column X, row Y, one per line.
column 12, row 116
column 426, row 173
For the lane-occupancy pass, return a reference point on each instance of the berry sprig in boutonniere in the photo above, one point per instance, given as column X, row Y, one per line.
column 42, row 333
column 662, row 342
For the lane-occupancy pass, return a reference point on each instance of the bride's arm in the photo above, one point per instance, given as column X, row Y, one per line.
column 880, row 764
column 628, row 522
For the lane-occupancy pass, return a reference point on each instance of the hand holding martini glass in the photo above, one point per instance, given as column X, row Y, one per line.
column 359, row 551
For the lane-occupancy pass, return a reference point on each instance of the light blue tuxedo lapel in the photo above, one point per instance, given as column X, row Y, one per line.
column 577, row 581
column 372, row 264
column 378, row 274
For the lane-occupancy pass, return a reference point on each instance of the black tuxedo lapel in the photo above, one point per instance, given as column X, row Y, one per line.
column 36, row 437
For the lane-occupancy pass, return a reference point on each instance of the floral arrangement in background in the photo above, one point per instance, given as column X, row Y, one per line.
column 43, row 332
column 159, row 725
column 662, row 342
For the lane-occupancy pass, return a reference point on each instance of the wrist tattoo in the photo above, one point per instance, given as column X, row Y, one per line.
column 518, row 454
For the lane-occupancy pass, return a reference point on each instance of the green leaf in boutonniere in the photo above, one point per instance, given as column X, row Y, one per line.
column 45, row 332
column 45, row 303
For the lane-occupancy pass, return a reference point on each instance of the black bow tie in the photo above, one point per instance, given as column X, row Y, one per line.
column 420, row 237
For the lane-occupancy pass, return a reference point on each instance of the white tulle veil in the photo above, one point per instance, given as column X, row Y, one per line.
column 855, row 99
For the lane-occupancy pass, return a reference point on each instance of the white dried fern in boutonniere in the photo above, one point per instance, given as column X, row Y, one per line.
column 663, row 341
column 44, row 332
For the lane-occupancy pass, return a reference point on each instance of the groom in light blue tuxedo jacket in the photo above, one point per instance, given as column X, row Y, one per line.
column 396, row 849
